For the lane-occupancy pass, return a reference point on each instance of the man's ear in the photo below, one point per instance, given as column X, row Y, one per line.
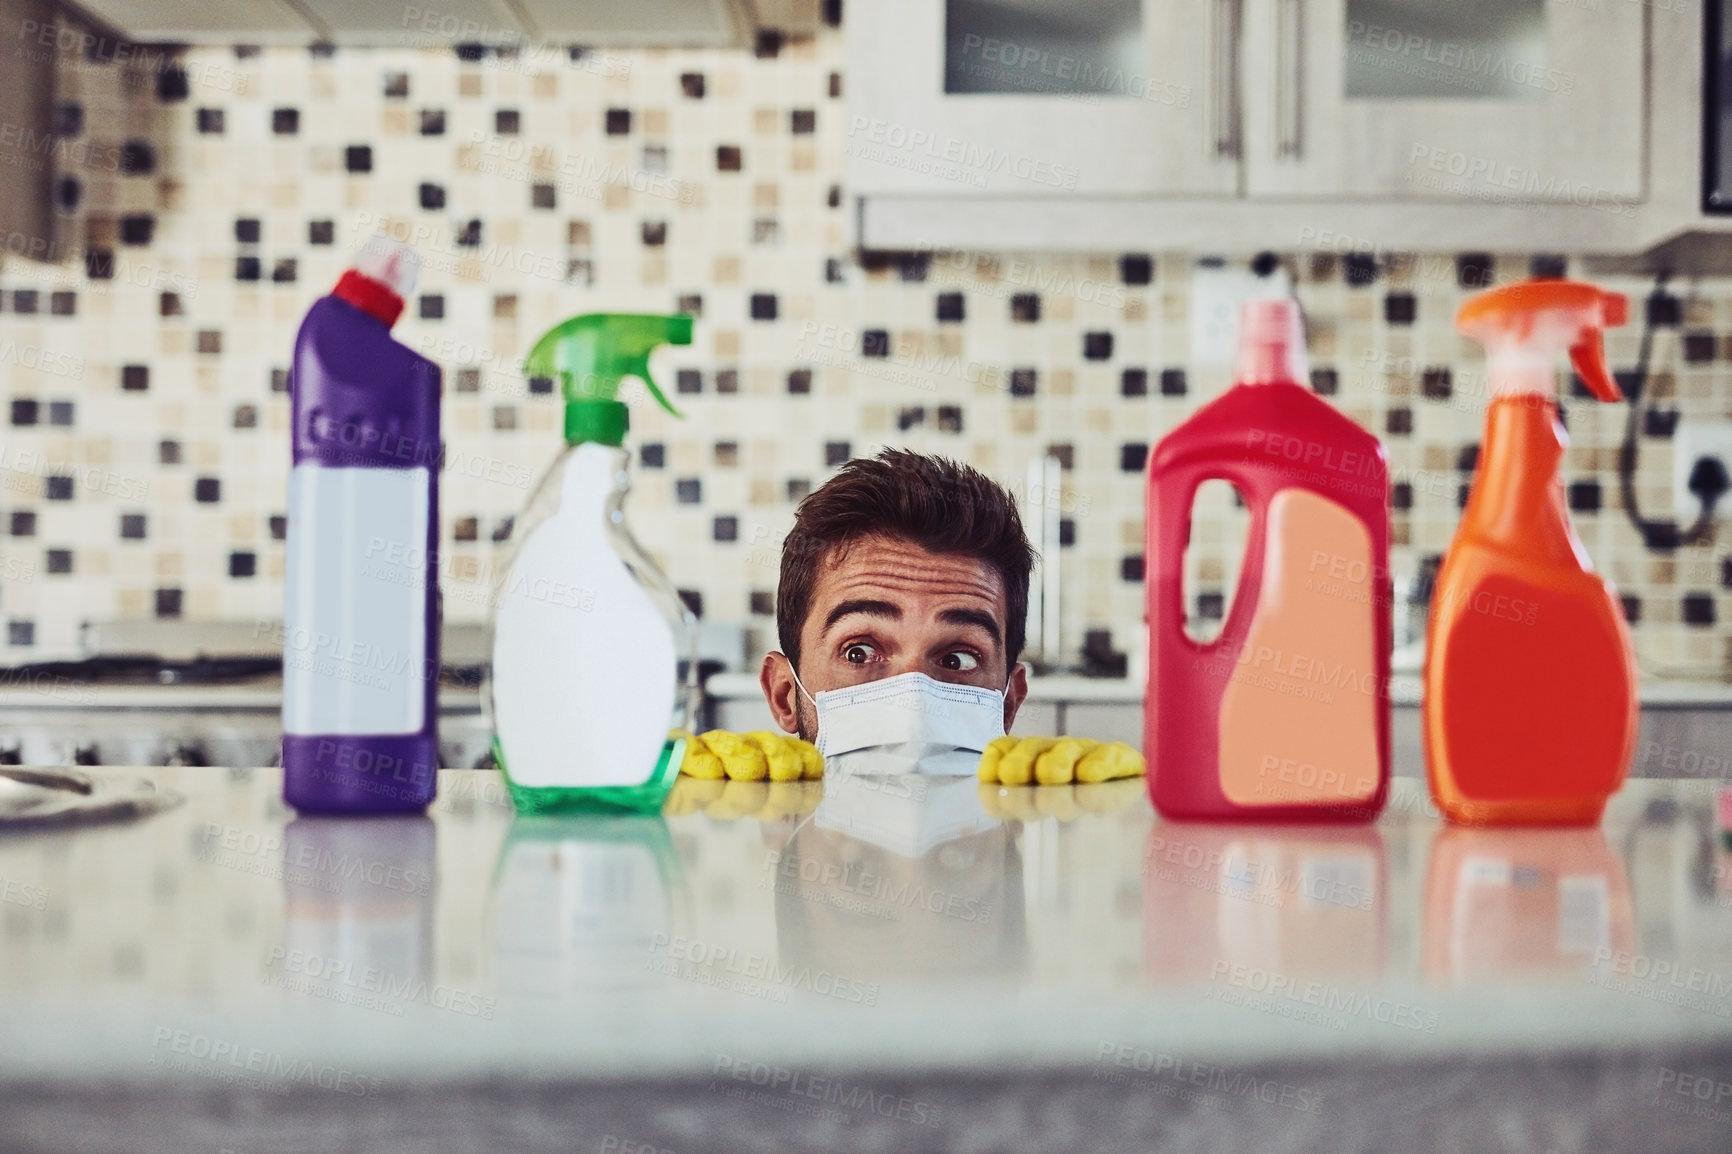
column 1014, row 693
column 776, row 679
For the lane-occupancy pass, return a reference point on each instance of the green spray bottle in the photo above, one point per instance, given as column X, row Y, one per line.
column 594, row 654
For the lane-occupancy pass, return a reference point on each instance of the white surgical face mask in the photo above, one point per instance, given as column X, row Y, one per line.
column 916, row 719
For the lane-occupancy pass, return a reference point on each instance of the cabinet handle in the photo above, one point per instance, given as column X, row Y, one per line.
column 1224, row 83
column 1289, row 78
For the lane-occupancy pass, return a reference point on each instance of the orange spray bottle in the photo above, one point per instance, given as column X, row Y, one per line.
column 1530, row 678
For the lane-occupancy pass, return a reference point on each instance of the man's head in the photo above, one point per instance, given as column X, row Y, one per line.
column 900, row 564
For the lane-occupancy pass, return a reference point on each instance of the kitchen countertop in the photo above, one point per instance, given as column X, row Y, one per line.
column 905, row 969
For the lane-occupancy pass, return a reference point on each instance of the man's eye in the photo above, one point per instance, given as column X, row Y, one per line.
column 858, row 653
column 960, row 661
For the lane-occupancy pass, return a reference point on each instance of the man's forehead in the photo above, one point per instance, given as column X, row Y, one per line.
column 902, row 567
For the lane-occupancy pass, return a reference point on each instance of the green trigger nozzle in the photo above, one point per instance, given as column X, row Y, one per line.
column 591, row 355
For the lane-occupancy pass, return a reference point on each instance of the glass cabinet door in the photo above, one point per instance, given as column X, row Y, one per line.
column 1499, row 101
column 1038, row 98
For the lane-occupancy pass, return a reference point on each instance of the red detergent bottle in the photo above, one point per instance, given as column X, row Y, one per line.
column 1285, row 715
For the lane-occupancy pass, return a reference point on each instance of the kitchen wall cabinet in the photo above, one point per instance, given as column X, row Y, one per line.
column 26, row 131
column 1519, row 123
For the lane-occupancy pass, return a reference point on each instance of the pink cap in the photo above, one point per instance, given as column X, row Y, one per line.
column 1271, row 343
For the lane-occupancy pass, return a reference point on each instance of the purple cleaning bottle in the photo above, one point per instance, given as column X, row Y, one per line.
column 361, row 602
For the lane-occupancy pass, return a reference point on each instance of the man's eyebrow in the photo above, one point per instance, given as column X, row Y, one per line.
column 869, row 607
column 972, row 617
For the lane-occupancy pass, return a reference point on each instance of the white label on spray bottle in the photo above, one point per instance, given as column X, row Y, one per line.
column 355, row 601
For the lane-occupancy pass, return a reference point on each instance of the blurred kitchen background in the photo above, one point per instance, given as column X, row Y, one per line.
column 1005, row 231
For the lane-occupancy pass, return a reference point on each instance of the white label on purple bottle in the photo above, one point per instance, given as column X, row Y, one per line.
column 355, row 601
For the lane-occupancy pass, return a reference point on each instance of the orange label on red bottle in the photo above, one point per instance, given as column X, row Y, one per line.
column 1298, row 721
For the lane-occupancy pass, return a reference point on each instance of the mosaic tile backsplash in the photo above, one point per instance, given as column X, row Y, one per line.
column 206, row 197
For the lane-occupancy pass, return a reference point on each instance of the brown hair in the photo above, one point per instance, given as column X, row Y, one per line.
column 938, row 504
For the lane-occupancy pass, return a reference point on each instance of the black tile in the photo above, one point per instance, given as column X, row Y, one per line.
column 655, row 233
column 63, row 304
column 432, row 122
column 20, row 633
column 1698, row 609
column 1436, row 383
column 431, row 308
column 1265, row 263
column 1066, row 532
column 833, row 271
column 172, row 84
column 319, row 50
column 68, row 120
column 279, row 380
column 1211, row 606
column 169, row 305
column 1025, row 307
column 1136, row 268
column 950, row 418
column 1462, row 493
column 689, row 381
column 168, row 602
column 875, row 343
column 321, row 232
column 800, row 382
column 509, row 122
column 432, row 196
column 1664, row 311
column 763, row 306
column 168, row 452
column 1659, row 423
column 833, row 198
column 243, row 564
column 1133, row 457
column 950, row 307
column 1548, row 266
column 59, row 488
column 99, row 263
column 246, row 417
column 691, row 304
column 909, row 416
column 543, row 195
column 1325, row 382
column 725, row 529
column 466, row 529
column 618, row 121
column 1401, row 495
column 248, row 230
column 287, row 121
column 59, row 561
column 279, row 527
column 769, row 44
column 60, row 413
column 803, row 121
column 1400, row 308
column 23, row 523
column 1134, row 383
column 837, row 453
column 67, row 193
column 1066, row 455
column 25, row 302
column 1632, row 608
column 1726, row 572
column 1097, row 346
column 358, row 158
column 727, row 380
column 798, row 488
column 284, row 271
column 248, row 268
column 763, row 604
column 832, row 12
column 1584, row 496
column 541, row 386
column 729, row 158
column 692, row 85
column 502, row 530
column 470, row 53
column 137, row 228
column 210, row 121
column 396, row 85
column 1022, row 382
column 1173, row 383
column 1473, row 270
column 1698, row 348
column 137, row 158
column 688, row 490
column 693, row 601
column 25, row 412
column 1359, row 269
column 207, row 490
column 1131, row 568
column 1399, row 422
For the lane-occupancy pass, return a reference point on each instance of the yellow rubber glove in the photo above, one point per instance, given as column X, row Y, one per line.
column 1064, row 802
column 756, row 756
column 1057, row 761
column 731, row 800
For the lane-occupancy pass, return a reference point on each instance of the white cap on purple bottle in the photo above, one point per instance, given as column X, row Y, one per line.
column 394, row 265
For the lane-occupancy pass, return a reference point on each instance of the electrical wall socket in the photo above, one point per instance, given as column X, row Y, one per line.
column 1692, row 441
column 1216, row 294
